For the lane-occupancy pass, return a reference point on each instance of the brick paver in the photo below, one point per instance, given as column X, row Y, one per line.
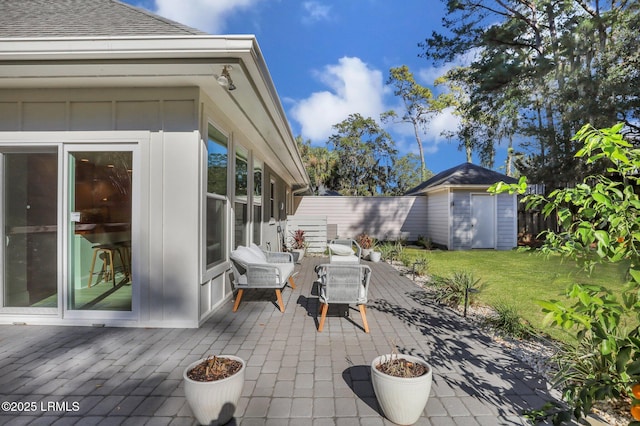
column 295, row 375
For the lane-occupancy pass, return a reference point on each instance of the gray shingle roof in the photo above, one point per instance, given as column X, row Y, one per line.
column 463, row 174
column 82, row 18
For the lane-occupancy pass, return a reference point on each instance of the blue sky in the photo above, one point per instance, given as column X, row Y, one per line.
column 331, row 58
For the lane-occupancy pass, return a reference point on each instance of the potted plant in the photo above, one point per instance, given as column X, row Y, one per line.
column 298, row 245
column 366, row 244
column 212, row 387
column 402, row 384
column 375, row 255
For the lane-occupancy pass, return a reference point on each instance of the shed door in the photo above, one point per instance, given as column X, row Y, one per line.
column 483, row 224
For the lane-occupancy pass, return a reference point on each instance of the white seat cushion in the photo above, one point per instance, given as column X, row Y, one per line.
column 340, row 250
column 246, row 256
column 258, row 252
column 345, row 259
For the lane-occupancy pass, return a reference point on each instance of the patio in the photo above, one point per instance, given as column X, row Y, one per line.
column 295, row 375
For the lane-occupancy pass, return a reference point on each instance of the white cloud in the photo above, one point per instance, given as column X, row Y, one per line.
column 205, row 15
column 354, row 88
column 316, row 11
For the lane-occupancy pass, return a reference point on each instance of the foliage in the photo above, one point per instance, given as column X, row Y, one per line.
column 390, row 250
column 365, row 241
column 539, row 69
column 319, row 162
column 298, row 240
column 406, row 174
column 600, row 218
column 419, row 106
column 365, row 155
column 509, row 321
column 420, row 265
column 451, row 290
column 424, row 242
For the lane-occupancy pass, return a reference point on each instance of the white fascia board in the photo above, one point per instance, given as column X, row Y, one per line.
column 437, row 188
column 107, row 48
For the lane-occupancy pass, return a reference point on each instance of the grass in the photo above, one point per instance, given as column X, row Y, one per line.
column 518, row 279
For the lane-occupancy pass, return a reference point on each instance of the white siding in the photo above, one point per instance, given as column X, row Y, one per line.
column 149, row 109
column 438, row 218
column 507, row 220
column 385, row 218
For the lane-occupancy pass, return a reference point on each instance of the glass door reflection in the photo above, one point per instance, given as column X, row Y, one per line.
column 30, row 231
column 100, row 241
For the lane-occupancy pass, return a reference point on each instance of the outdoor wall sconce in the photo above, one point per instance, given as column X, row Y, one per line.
column 225, row 78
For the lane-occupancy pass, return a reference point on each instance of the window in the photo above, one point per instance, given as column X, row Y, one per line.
column 241, row 222
column 257, row 201
column 216, row 216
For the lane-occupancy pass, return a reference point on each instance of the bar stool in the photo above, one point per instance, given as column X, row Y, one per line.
column 124, row 251
column 106, row 254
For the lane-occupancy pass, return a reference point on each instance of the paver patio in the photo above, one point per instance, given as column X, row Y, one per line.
column 295, row 375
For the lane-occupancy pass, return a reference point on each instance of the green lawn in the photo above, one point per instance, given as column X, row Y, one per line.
column 520, row 278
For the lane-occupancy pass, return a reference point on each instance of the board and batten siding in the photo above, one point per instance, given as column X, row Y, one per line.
column 148, row 109
column 437, row 224
column 385, row 218
column 507, row 221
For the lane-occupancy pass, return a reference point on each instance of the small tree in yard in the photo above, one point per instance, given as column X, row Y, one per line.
column 600, row 220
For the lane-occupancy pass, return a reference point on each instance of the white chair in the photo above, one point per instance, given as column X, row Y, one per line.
column 254, row 268
column 344, row 251
column 343, row 284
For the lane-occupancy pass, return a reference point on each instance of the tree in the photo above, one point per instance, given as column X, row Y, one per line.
column 365, row 155
column 557, row 64
column 419, row 106
column 319, row 162
column 406, row 174
column 600, row 221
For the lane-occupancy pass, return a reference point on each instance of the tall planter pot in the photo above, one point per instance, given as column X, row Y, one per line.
column 402, row 399
column 214, row 401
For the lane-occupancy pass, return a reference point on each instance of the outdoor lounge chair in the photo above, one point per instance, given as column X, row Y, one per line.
column 254, row 268
column 343, row 284
column 344, row 251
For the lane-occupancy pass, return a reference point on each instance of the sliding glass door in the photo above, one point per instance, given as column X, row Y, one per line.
column 99, row 238
column 29, row 229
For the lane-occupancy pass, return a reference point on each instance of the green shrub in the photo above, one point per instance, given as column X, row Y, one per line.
column 406, row 259
column 421, row 265
column 451, row 290
column 509, row 321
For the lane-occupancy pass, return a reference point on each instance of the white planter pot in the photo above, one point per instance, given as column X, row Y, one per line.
column 298, row 254
column 366, row 253
column 214, row 401
column 402, row 399
column 375, row 256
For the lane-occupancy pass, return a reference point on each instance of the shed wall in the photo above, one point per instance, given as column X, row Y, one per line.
column 437, row 218
column 507, row 221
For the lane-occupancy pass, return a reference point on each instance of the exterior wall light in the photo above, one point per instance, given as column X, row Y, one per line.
column 225, row 78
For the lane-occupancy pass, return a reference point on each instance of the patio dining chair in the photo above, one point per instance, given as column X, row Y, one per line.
column 343, row 284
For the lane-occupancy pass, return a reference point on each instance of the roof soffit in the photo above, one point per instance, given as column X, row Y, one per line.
column 156, row 62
